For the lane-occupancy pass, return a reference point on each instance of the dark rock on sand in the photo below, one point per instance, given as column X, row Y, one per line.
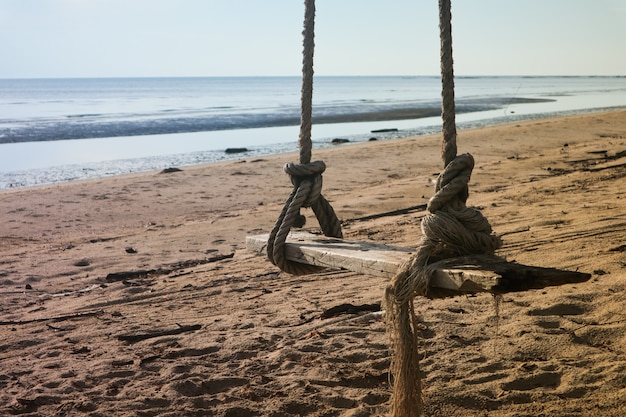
column 384, row 130
column 236, row 150
column 82, row 262
column 338, row 141
column 170, row 170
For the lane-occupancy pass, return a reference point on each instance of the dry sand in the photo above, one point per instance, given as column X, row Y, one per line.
column 211, row 329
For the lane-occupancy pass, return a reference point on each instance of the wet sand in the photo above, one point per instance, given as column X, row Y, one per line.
column 135, row 295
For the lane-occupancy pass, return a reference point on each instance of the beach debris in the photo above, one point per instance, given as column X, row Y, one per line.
column 164, row 270
column 82, row 349
column 349, row 308
column 141, row 273
column 130, row 249
column 82, row 262
column 137, row 337
column 338, row 141
column 170, row 170
column 406, row 210
column 54, row 318
column 236, row 150
column 393, row 129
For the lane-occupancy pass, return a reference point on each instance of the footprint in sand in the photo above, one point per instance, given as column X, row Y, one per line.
column 194, row 386
column 538, row 380
column 561, row 309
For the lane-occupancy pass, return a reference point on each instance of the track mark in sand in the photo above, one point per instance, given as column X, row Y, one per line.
column 561, row 309
column 607, row 337
column 240, row 411
column 191, row 352
column 194, row 387
column 298, row 408
column 153, row 403
column 486, row 378
column 538, row 380
column 374, row 399
column 488, row 373
column 549, row 325
column 30, row 404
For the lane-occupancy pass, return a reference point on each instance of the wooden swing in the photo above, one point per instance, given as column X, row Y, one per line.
column 301, row 252
column 455, row 256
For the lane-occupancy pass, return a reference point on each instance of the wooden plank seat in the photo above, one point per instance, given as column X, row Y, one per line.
column 460, row 275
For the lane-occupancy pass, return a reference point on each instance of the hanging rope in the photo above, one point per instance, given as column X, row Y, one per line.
column 306, row 176
column 450, row 229
column 448, row 109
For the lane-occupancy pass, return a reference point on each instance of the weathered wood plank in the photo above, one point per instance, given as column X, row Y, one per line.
column 363, row 257
column 468, row 274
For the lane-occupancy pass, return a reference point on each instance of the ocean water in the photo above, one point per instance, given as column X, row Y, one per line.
column 55, row 130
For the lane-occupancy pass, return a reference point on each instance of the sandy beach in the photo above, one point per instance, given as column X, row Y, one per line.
column 136, row 296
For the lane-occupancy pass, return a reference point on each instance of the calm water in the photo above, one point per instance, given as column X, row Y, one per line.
column 66, row 129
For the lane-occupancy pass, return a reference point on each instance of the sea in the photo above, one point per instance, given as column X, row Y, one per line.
column 60, row 130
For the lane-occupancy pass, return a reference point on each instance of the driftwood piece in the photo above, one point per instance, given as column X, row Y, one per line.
column 459, row 275
column 165, row 270
column 53, row 318
column 348, row 308
column 137, row 337
column 406, row 210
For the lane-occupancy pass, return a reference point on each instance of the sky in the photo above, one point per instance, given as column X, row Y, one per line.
column 148, row 38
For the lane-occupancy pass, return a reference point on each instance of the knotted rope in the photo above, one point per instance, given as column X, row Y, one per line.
column 450, row 229
column 306, row 177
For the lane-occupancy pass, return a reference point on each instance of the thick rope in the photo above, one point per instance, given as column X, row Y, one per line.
column 448, row 110
column 450, row 229
column 306, row 97
column 306, row 177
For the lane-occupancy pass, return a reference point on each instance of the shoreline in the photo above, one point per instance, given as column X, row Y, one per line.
column 254, row 340
column 175, row 125
column 15, row 179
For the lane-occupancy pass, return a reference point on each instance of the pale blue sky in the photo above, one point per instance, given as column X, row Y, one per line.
column 117, row 38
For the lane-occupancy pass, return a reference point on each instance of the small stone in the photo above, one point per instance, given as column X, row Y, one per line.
column 236, row 150
column 170, row 170
column 82, row 262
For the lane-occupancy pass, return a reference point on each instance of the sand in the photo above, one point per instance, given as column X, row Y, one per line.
column 211, row 329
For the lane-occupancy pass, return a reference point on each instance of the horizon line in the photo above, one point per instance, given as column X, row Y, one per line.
column 320, row 76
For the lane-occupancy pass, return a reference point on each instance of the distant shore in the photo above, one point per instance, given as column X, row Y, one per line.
column 92, row 127
column 154, row 152
column 58, row 130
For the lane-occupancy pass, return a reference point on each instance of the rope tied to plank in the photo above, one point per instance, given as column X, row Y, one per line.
column 306, row 176
column 450, row 229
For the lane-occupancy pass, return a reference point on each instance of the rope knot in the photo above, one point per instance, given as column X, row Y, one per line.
column 309, row 175
column 307, row 192
column 451, row 185
column 450, row 229
column 454, row 228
